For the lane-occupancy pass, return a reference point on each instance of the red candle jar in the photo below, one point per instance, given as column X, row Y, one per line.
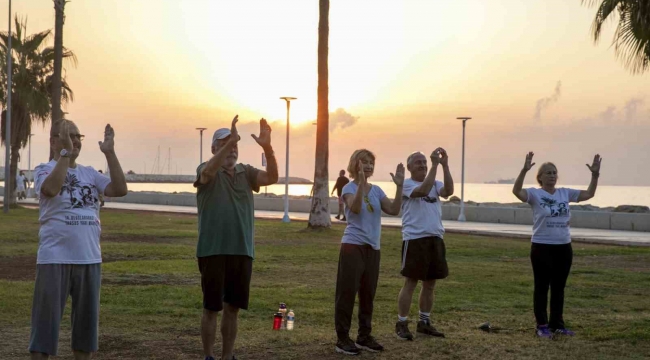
column 277, row 321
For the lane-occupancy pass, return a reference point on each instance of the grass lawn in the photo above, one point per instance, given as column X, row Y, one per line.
column 151, row 296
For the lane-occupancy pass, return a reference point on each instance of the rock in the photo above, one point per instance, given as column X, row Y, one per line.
column 632, row 209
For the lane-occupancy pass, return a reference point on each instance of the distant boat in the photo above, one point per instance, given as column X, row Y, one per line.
column 501, row 181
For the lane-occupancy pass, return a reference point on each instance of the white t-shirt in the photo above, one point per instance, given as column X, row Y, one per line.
column 551, row 214
column 70, row 226
column 20, row 183
column 364, row 228
column 421, row 217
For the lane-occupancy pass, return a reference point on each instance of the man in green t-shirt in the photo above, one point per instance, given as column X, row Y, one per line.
column 225, row 249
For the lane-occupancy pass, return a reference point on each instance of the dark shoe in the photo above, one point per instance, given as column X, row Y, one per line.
column 369, row 343
column 347, row 347
column 543, row 332
column 344, row 219
column 428, row 329
column 565, row 332
column 402, row 331
column 338, row 217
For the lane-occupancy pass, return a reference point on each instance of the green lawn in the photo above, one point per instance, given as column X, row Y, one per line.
column 151, row 297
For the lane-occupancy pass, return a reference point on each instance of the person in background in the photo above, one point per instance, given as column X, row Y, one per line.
column 551, row 254
column 101, row 196
column 359, row 256
column 21, row 185
column 340, row 183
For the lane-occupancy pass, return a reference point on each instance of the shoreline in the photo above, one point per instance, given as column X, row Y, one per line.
column 622, row 208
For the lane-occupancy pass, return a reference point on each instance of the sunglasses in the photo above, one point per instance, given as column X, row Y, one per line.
column 75, row 136
column 368, row 204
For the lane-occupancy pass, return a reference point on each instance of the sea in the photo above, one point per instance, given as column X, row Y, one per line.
column 500, row 193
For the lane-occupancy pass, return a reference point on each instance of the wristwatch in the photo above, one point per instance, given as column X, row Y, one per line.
column 64, row 153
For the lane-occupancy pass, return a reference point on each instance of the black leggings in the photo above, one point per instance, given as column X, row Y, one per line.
column 551, row 266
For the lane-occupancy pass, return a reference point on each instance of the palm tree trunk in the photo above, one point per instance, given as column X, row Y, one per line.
column 13, row 170
column 58, row 64
column 319, row 216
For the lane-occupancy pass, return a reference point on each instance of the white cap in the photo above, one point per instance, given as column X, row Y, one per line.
column 220, row 134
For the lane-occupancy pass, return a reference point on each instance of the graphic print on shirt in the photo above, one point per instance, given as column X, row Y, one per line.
column 81, row 196
column 556, row 209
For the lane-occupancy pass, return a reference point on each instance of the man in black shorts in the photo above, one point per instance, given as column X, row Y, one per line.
column 225, row 250
column 423, row 250
column 340, row 183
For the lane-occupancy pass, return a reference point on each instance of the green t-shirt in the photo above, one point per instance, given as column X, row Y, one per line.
column 226, row 212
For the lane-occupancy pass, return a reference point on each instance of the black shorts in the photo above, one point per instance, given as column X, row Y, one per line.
column 424, row 259
column 225, row 278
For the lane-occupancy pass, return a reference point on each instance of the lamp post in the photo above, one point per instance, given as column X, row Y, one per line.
column 8, row 189
column 285, row 218
column 461, row 217
column 201, row 144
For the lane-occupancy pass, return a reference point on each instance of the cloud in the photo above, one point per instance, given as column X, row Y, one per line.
column 543, row 103
column 608, row 115
column 342, row 119
column 631, row 107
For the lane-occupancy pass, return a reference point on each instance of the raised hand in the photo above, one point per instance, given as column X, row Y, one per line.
column 529, row 164
column 435, row 158
column 361, row 175
column 595, row 166
column 264, row 139
column 64, row 135
column 234, row 134
column 398, row 177
column 108, row 145
column 444, row 158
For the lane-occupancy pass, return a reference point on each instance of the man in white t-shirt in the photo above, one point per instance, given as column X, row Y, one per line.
column 423, row 250
column 69, row 257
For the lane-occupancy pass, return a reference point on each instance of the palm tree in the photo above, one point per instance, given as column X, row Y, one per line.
column 57, row 114
column 32, row 66
column 319, row 217
column 632, row 37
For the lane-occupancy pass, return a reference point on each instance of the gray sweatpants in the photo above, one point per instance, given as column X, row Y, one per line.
column 54, row 282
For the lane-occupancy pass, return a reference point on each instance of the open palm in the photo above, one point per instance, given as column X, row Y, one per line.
column 108, row 145
column 595, row 166
column 264, row 139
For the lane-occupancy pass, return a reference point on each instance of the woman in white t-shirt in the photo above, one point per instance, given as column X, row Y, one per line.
column 359, row 256
column 551, row 253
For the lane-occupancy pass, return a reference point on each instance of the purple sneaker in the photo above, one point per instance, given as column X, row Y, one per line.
column 544, row 332
column 566, row 332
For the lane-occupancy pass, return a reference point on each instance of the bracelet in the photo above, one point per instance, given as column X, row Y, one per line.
column 272, row 154
column 595, row 174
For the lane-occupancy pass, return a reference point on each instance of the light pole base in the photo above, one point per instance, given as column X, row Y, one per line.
column 461, row 217
column 286, row 219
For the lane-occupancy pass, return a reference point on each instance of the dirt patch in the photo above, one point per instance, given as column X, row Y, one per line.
column 635, row 263
column 18, row 268
column 139, row 238
column 142, row 279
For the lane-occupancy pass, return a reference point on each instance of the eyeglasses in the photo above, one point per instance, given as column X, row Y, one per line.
column 75, row 136
column 368, row 204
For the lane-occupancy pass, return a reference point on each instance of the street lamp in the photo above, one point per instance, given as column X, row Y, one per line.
column 461, row 217
column 29, row 166
column 8, row 179
column 286, row 177
column 201, row 146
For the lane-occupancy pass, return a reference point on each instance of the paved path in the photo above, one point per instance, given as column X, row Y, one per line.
column 613, row 237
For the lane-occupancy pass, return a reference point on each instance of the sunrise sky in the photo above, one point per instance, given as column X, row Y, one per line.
column 528, row 72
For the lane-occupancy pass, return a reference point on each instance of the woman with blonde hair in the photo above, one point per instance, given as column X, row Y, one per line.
column 551, row 253
column 359, row 256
